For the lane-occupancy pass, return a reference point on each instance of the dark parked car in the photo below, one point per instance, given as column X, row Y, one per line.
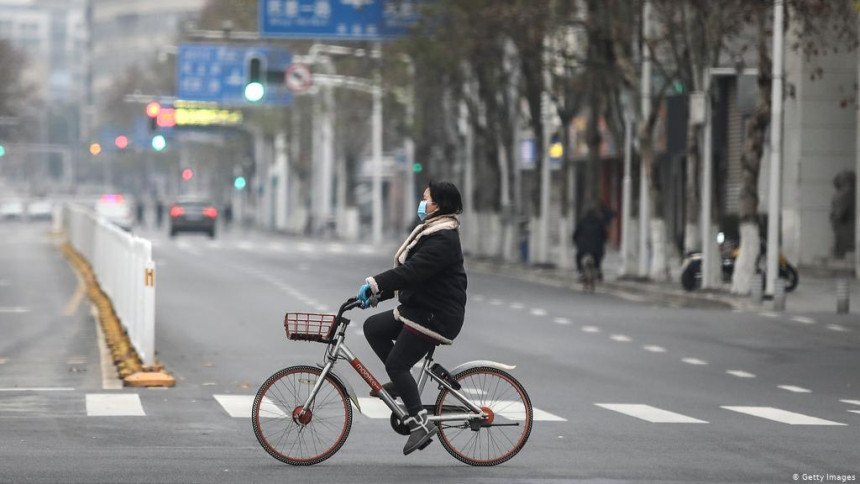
column 193, row 216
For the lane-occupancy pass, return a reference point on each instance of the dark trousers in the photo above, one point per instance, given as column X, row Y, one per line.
column 598, row 258
column 399, row 348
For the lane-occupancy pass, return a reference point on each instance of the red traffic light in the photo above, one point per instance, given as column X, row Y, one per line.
column 187, row 174
column 166, row 118
column 121, row 142
column 152, row 109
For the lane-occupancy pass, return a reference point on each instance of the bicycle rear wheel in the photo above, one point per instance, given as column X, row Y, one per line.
column 503, row 434
column 308, row 438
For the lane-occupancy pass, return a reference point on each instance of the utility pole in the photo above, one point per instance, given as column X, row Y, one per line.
column 627, row 195
column 774, row 195
column 644, row 215
column 377, row 147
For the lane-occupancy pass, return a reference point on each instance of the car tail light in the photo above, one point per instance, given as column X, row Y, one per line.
column 210, row 212
column 176, row 211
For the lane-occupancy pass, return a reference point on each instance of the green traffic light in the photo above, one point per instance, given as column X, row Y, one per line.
column 254, row 91
column 417, row 168
column 239, row 182
column 2, row 151
column 158, row 142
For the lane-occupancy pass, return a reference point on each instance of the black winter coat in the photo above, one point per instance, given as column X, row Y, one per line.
column 431, row 286
column 590, row 234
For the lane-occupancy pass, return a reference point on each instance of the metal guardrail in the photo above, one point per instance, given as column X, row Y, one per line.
column 123, row 266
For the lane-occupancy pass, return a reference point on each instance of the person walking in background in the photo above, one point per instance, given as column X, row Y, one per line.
column 590, row 238
column 159, row 212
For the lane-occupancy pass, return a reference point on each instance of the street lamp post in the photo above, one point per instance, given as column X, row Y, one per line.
column 774, row 193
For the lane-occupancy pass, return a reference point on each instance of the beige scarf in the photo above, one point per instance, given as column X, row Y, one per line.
column 431, row 226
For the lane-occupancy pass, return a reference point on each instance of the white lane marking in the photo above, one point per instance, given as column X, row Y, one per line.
column 305, row 247
column 654, row 348
column 517, row 305
column 768, row 314
column 782, row 416
column 538, row 312
column 694, row 361
column 245, row 246
column 473, row 391
column 794, row 389
column 276, row 246
column 590, row 329
column 478, row 298
column 14, row 310
column 336, row 249
column 740, row 374
column 495, row 302
column 851, row 402
column 376, row 409
column 37, row 389
column 649, row 413
column 114, row 405
column 803, row 320
column 366, row 249
column 561, row 321
column 239, row 406
column 854, row 411
column 620, row 338
column 838, row 328
column 214, row 245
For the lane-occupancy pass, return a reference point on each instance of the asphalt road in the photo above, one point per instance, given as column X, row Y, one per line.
column 627, row 391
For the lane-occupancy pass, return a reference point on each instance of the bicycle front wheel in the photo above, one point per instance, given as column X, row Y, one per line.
column 293, row 434
column 502, row 434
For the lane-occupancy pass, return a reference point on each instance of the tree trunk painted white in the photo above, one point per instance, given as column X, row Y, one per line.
column 565, row 261
column 745, row 264
column 659, row 251
column 632, row 249
column 692, row 237
column 716, row 273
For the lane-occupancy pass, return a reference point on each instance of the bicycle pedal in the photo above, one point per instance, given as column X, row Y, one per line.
column 425, row 444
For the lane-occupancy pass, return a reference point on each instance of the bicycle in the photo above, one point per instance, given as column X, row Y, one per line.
column 589, row 273
column 302, row 414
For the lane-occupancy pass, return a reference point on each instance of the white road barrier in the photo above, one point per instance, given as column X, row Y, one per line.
column 122, row 264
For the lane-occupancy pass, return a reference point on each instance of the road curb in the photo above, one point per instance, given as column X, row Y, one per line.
column 624, row 289
column 125, row 358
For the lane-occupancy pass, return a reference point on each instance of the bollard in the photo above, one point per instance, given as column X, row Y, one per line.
column 756, row 291
column 779, row 295
column 842, row 301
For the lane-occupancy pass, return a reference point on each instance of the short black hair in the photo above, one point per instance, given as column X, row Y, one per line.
column 446, row 196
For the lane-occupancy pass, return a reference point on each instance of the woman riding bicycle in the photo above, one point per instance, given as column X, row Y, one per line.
column 429, row 281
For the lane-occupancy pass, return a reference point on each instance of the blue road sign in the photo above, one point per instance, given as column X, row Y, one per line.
column 218, row 73
column 337, row 19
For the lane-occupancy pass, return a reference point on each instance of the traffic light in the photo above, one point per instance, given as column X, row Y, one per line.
column 158, row 142
column 417, row 167
column 254, row 88
column 239, row 183
column 2, row 151
column 95, row 149
column 187, row 174
column 121, row 142
column 152, row 110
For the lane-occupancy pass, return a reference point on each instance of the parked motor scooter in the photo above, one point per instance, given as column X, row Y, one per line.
column 691, row 275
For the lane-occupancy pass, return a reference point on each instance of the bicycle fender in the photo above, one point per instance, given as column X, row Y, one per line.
column 352, row 395
column 477, row 363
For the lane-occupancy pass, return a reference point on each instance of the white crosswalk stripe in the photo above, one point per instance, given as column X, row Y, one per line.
column 740, row 374
column 114, row 405
column 239, row 406
column 795, row 389
column 649, row 413
column 782, row 416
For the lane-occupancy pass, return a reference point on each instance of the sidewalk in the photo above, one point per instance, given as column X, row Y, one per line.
column 814, row 293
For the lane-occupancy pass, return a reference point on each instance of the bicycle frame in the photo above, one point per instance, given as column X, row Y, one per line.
column 337, row 349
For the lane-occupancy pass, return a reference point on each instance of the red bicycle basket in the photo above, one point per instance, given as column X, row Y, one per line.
column 308, row 326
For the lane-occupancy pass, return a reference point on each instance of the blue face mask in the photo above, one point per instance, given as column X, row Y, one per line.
column 422, row 210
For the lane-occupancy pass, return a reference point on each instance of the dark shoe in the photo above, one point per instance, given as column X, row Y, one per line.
column 389, row 387
column 421, row 430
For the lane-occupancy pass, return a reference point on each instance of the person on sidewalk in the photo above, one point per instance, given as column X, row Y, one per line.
column 590, row 238
column 429, row 281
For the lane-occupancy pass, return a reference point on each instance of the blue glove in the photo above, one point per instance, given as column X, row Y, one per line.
column 364, row 296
